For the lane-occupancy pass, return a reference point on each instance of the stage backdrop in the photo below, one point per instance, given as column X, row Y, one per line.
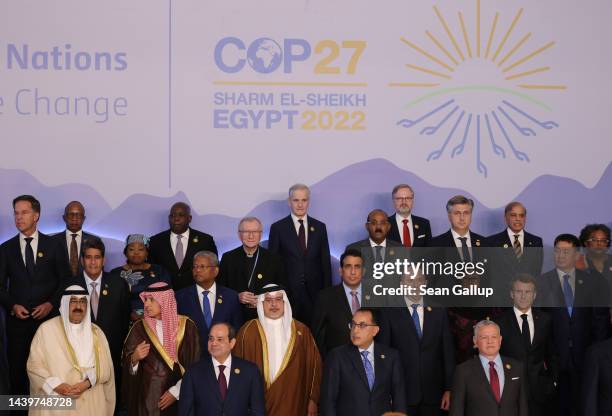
column 129, row 106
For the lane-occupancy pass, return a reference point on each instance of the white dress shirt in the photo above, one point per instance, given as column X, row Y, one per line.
column 212, row 298
column 226, row 370
column 572, row 279
column 519, row 319
column 33, row 244
column 296, row 224
column 468, row 243
column 400, row 226
column 184, row 240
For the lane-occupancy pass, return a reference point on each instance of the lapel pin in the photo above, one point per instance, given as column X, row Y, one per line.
column 382, row 356
column 580, row 281
column 40, row 254
column 312, row 229
column 195, row 239
column 529, row 243
column 367, row 297
column 391, row 253
column 299, row 333
column 508, row 366
column 477, row 243
column 219, row 300
column 505, row 245
column 105, row 292
column 152, row 274
column 260, row 276
column 236, row 371
column 488, row 318
column 429, row 309
column 416, row 226
column 610, row 268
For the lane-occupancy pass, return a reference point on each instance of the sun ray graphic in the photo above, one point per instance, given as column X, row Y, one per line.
column 505, row 124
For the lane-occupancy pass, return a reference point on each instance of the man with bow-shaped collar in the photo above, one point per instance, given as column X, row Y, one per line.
column 363, row 378
column 489, row 384
column 222, row 385
column 173, row 249
column 206, row 302
column 580, row 316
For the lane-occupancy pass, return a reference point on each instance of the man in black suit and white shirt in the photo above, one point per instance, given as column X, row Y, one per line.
column 301, row 241
column 489, row 384
column 32, row 269
column 407, row 229
column 174, row 249
column 72, row 238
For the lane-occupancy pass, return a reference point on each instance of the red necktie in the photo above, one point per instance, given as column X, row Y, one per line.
column 407, row 242
column 222, row 382
column 494, row 380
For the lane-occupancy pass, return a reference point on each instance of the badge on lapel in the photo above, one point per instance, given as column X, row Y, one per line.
column 195, row 239
column 382, row 356
column 40, row 254
column 416, row 226
column 505, row 245
column 429, row 309
column 299, row 333
column 105, row 290
column 312, row 229
column 236, row 371
column 580, row 281
column 152, row 274
column 508, row 366
column 260, row 276
column 477, row 243
column 220, row 300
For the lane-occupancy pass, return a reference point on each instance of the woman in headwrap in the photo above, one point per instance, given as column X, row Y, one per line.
column 137, row 272
column 157, row 351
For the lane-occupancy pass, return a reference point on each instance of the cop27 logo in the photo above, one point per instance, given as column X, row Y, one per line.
column 482, row 84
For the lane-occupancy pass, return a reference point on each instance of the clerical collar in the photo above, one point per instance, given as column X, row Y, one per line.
column 250, row 254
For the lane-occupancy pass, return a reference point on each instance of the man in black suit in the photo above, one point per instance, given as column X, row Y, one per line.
column 31, row 274
column 207, row 302
column 301, row 241
column 205, row 389
column 363, row 378
column 335, row 305
column 489, row 384
column 4, row 372
column 72, row 238
column 422, row 336
column 575, row 298
column 527, row 335
column 110, row 300
column 407, row 229
column 597, row 380
column 522, row 251
column 248, row 268
column 173, row 249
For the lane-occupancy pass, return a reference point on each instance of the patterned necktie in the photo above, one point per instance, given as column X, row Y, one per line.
column 206, row 308
column 494, row 380
column 518, row 250
column 568, row 294
column 368, row 369
column 74, row 256
column 179, row 253
column 416, row 320
column 406, row 234
column 94, row 299
column 302, row 235
column 354, row 301
column 222, row 382
column 525, row 331
column 465, row 253
column 378, row 258
column 29, row 256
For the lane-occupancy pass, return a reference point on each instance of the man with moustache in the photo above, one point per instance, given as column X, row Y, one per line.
column 407, row 229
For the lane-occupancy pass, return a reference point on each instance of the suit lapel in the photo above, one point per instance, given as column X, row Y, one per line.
column 508, row 373
column 195, row 306
column 428, row 318
column 212, row 379
column 341, row 295
column 357, row 362
column 483, row 377
column 102, row 297
column 168, row 245
column 537, row 329
column 380, row 366
column 290, row 229
column 218, row 314
column 16, row 249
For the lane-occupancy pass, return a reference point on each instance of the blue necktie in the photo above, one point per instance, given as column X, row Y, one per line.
column 568, row 294
column 368, row 369
column 416, row 320
column 206, row 307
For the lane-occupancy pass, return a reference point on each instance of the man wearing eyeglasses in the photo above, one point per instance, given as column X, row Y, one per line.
column 527, row 335
column 249, row 267
column 363, row 378
column 407, row 229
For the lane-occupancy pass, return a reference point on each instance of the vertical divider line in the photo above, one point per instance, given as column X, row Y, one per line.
column 169, row 94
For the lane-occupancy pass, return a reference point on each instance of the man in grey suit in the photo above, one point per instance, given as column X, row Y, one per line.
column 489, row 384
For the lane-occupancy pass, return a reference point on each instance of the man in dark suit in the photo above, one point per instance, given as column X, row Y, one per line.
column 110, row 300
column 72, row 238
column 4, row 372
column 301, row 241
column 575, row 298
column 248, row 268
column 420, row 333
column 31, row 274
column 207, row 302
column 335, row 305
column 173, row 249
column 363, row 378
column 597, row 380
column 407, row 229
column 489, row 384
column 522, row 252
column 222, row 385
column 527, row 335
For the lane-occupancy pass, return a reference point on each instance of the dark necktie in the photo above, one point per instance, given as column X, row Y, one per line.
column 465, row 253
column 222, row 382
column 406, row 234
column 494, row 380
column 518, row 250
column 29, row 256
column 378, row 258
column 525, row 331
column 416, row 320
column 302, row 235
column 74, row 256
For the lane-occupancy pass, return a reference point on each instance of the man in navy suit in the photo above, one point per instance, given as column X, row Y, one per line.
column 597, row 380
column 407, row 229
column 206, row 302
column 301, row 241
column 31, row 274
column 222, row 385
column 575, row 298
column 517, row 250
column 173, row 249
column 72, row 238
column 363, row 378
column 421, row 334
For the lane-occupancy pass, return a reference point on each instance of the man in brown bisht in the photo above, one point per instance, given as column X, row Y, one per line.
column 286, row 354
column 152, row 376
